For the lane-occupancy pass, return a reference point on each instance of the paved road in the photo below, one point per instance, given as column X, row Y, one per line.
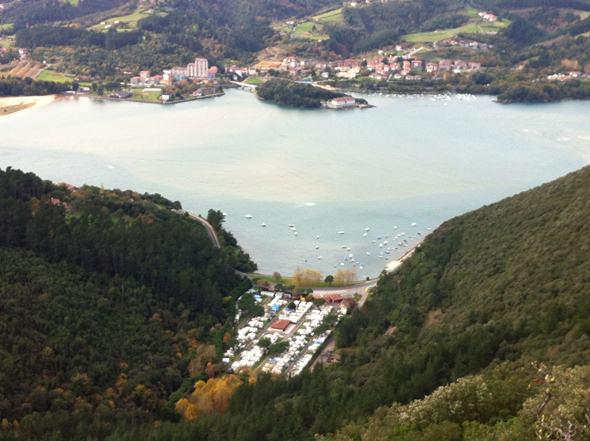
column 208, row 227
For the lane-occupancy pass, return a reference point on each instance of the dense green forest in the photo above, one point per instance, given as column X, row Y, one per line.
column 486, row 294
column 291, row 94
column 112, row 304
column 19, row 87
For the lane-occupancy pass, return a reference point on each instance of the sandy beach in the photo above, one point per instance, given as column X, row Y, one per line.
column 12, row 104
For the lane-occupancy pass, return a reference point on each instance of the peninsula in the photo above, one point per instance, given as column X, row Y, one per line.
column 301, row 95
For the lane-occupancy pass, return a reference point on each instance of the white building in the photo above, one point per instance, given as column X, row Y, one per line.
column 343, row 102
column 199, row 69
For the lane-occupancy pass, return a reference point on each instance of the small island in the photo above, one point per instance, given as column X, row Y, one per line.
column 306, row 96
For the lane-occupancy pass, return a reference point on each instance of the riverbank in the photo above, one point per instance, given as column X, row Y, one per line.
column 159, row 102
column 13, row 104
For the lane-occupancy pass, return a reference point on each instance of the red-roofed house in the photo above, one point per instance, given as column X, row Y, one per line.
column 333, row 298
column 280, row 325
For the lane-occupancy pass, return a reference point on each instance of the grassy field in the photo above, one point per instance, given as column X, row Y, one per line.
column 124, row 22
column 475, row 26
column 147, row 96
column 7, row 42
column 313, row 28
column 51, row 75
column 254, row 81
column 332, row 16
column 309, row 30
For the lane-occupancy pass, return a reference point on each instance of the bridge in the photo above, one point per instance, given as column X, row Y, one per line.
column 250, row 87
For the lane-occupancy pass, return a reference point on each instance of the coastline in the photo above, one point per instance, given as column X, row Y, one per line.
column 14, row 104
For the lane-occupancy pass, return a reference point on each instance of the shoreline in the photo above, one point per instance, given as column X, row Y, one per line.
column 15, row 104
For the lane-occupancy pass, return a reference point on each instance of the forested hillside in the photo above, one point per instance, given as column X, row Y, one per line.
column 503, row 284
column 488, row 296
column 110, row 302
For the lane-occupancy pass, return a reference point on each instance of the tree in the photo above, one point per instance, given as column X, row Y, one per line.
column 329, row 279
column 345, row 276
column 276, row 277
column 306, row 277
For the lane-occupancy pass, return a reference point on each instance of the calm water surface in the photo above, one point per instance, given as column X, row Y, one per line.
column 410, row 160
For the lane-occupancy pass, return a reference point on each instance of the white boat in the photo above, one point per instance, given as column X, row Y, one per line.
column 317, row 247
column 317, row 237
column 368, row 254
column 263, row 225
column 248, row 216
column 364, row 234
column 413, row 224
column 291, row 226
column 341, row 232
column 296, row 233
column 319, row 257
column 367, row 229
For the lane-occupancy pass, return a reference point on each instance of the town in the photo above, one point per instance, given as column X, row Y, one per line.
column 196, row 80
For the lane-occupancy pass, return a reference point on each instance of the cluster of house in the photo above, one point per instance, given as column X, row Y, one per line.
column 383, row 67
column 567, row 76
column 23, row 54
column 488, row 16
column 198, row 70
column 463, row 43
column 285, row 319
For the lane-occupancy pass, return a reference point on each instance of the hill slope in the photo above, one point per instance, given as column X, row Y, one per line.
column 505, row 284
column 110, row 302
column 486, row 294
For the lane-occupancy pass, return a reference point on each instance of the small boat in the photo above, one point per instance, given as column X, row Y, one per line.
column 364, row 234
column 291, row 226
column 340, row 232
column 367, row 229
column 317, row 237
column 317, row 247
column 263, row 225
column 248, row 216
column 296, row 233
column 413, row 224
column 319, row 257
column 368, row 254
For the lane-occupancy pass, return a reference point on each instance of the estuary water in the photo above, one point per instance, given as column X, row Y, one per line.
column 349, row 182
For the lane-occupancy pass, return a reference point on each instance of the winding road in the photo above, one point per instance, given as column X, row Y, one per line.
column 208, row 227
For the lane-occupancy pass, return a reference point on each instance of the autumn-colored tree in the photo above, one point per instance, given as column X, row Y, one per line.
column 345, row 276
column 210, row 396
column 306, row 277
